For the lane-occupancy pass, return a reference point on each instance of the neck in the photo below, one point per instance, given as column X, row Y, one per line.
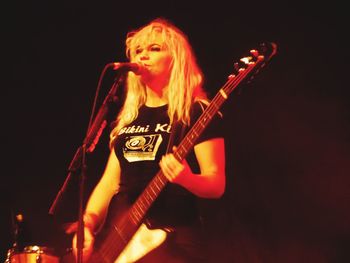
column 156, row 92
column 155, row 98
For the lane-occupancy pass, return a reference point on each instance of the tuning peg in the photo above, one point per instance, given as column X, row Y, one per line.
column 246, row 60
column 254, row 52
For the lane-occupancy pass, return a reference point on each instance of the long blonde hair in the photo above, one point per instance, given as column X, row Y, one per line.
column 185, row 82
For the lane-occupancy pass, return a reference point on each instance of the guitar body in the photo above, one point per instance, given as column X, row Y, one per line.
column 112, row 244
column 144, row 241
column 116, row 243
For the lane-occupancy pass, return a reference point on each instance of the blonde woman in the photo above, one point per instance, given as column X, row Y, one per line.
column 167, row 90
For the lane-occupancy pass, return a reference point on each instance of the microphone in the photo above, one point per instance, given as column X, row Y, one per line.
column 127, row 66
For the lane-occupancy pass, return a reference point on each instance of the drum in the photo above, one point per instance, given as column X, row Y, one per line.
column 32, row 254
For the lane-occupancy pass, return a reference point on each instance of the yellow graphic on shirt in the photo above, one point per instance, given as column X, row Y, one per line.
column 142, row 147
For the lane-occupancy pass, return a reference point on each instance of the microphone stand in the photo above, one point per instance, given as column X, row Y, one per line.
column 94, row 131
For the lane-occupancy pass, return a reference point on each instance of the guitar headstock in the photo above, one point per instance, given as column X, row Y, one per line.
column 255, row 60
column 247, row 67
column 264, row 52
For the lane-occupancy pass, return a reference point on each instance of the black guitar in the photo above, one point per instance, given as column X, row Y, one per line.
column 123, row 234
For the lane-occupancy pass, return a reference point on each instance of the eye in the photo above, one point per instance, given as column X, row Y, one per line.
column 155, row 48
column 138, row 51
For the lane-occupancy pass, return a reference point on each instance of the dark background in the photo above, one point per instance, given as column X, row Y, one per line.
column 287, row 134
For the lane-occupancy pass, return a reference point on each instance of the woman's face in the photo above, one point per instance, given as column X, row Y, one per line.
column 154, row 57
